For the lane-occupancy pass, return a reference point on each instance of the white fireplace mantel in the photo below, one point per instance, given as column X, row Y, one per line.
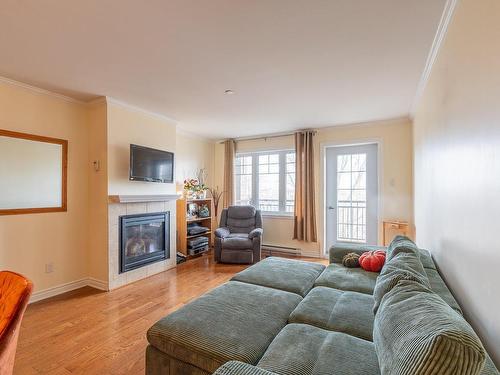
column 142, row 198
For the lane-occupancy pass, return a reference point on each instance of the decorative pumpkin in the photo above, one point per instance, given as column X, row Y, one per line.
column 351, row 260
column 372, row 260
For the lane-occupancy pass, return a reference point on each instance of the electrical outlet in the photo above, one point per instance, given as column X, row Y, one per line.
column 49, row 267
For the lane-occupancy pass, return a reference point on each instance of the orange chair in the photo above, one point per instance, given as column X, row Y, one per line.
column 15, row 291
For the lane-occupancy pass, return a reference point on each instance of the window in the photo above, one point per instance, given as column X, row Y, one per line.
column 351, row 197
column 266, row 180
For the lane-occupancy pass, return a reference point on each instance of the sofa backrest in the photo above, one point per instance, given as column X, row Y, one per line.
column 417, row 333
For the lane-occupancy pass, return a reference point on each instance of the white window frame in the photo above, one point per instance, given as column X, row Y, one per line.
column 255, row 180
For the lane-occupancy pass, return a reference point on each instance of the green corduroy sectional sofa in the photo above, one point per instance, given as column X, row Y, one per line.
column 284, row 316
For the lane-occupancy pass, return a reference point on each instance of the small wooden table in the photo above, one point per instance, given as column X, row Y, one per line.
column 392, row 228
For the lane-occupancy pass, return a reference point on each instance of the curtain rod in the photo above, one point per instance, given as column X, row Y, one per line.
column 266, row 136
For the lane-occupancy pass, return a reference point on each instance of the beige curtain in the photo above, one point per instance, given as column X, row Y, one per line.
column 305, row 211
column 229, row 149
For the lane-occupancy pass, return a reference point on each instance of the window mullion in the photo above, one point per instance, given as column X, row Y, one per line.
column 282, row 181
column 255, row 180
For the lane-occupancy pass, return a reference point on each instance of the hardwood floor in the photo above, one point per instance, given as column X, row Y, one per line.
column 93, row 332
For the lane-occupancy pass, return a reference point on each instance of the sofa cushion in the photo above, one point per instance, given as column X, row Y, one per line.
column 286, row 274
column 301, row 349
column 439, row 287
column 416, row 332
column 232, row 322
column 336, row 310
column 353, row 279
column 240, row 368
column 404, row 266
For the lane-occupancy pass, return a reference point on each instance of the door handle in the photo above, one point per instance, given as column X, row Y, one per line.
column 331, row 208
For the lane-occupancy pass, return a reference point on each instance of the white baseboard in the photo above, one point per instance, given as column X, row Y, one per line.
column 68, row 287
column 97, row 284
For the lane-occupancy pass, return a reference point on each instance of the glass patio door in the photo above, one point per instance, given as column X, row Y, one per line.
column 351, row 194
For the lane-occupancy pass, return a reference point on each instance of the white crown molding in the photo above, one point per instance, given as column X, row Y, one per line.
column 68, row 287
column 39, row 90
column 190, row 134
column 134, row 108
column 444, row 23
column 96, row 102
column 380, row 121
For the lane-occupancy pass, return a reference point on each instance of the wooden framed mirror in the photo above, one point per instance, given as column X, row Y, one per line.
column 33, row 173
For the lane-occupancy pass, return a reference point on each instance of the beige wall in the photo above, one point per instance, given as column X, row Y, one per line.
column 395, row 138
column 457, row 165
column 76, row 241
column 28, row 242
column 126, row 126
column 193, row 153
column 97, row 252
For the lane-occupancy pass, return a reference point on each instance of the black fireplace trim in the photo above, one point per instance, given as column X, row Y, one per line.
column 163, row 255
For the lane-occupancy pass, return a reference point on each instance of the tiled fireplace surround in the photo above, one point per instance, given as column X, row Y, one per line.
column 115, row 210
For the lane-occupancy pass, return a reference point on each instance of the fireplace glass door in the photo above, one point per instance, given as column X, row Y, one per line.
column 144, row 240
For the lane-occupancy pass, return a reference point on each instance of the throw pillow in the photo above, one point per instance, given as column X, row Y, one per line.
column 372, row 261
column 351, row 260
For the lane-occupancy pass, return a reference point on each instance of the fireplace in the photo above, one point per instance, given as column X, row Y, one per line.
column 144, row 239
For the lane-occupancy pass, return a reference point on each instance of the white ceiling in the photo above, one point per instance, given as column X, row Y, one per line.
column 291, row 63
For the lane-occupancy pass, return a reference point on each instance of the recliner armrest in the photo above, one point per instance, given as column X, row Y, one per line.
column 222, row 232
column 257, row 232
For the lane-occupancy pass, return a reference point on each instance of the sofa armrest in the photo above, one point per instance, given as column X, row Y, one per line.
column 240, row 368
column 257, row 232
column 222, row 232
column 337, row 252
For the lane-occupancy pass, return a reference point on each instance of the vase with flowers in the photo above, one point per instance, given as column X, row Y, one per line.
column 193, row 189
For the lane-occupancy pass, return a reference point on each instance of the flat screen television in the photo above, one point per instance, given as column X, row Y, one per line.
column 148, row 164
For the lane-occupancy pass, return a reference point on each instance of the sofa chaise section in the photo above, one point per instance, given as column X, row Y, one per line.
column 236, row 321
column 284, row 274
